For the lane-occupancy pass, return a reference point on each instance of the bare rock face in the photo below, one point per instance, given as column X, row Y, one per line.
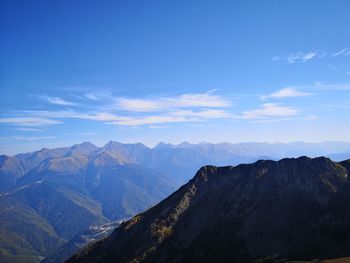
column 293, row 209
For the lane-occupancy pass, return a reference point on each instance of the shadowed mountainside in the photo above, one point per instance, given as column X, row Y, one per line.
column 293, row 209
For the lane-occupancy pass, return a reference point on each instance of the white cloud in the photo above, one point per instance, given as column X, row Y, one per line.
column 29, row 121
column 321, row 86
column 272, row 120
column 79, row 133
column 331, row 86
column 286, row 93
column 161, row 111
column 136, row 111
column 101, row 116
column 300, row 57
column 149, row 120
column 268, row 110
column 308, row 56
column 342, row 52
column 95, row 116
column 100, row 95
column 155, row 104
column 58, row 101
column 173, row 117
column 29, row 129
column 92, row 96
column 137, row 120
column 158, row 127
column 204, row 114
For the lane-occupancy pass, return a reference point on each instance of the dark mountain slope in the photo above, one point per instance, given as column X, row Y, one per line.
column 67, row 210
column 295, row 209
column 24, row 234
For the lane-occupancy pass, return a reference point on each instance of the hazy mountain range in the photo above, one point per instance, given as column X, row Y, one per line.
column 290, row 210
column 51, row 196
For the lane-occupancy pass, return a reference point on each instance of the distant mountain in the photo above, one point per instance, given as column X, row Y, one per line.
column 49, row 198
column 85, row 148
column 33, row 159
column 64, row 191
column 181, row 161
column 11, row 169
column 293, row 209
column 339, row 156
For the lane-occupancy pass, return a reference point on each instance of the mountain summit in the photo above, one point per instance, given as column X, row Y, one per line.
column 293, row 209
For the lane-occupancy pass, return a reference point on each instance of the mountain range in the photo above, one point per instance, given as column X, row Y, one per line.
column 268, row 211
column 50, row 197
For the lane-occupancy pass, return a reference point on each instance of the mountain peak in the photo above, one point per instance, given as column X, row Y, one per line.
column 185, row 144
column 112, row 144
column 288, row 173
column 163, row 145
column 85, row 144
column 84, row 148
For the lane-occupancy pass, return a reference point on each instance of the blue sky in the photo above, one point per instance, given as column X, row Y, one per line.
column 148, row 71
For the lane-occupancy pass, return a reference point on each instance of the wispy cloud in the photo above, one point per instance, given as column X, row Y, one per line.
column 69, row 114
column 92, row 96
column 308, row 56
column 286, row 93
column 345, row 51
column 29, row 129
column 311, row 117
column 330, row 86
column 332, row 67
column 298, row 57
column 160, row 112
column 58, row 101
column 310, row 89
column 175, row 116
column 79, row 133
column 172, row 117
column 269, row 110
column 97, row 96
column 32, row 138
column 158, row 127
column 302, row 56
column 154, row 104
column 29, row 121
